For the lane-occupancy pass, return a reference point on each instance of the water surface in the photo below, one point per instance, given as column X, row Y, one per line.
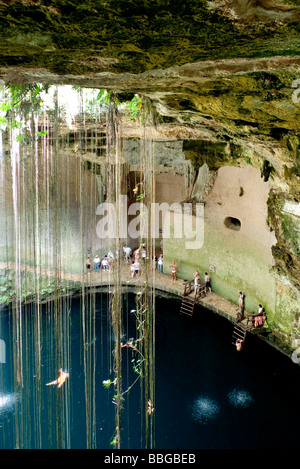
column 208, row 395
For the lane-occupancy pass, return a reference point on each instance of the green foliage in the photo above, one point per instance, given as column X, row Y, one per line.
column 114, row 441
column 21, row 100
column 27, row 291
column 14, row 125
column 21, row 96
column 6, row 106
column 44, row 132
column 291, row 233
column 135, row 105
column 107, row 383
column 20, row 137
column 103, row 95
column 137, row 366
column 6, row 289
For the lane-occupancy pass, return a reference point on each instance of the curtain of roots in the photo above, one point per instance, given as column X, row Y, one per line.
column 44, row 175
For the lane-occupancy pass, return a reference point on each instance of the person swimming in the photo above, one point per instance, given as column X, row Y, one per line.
column 150, row 409
column 63, row 375
column 239, row 344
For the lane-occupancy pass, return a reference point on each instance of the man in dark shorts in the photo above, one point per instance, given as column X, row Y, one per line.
column 207, row 282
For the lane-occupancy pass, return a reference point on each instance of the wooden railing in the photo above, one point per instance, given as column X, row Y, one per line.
column 189, row 288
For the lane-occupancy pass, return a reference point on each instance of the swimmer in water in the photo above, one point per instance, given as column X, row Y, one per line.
column 239, row 344
column 63, row 375
column 150, row 409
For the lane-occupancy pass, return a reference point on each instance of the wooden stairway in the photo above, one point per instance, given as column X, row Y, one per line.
column 187, row 305
column 239, row 332
column 188, row 302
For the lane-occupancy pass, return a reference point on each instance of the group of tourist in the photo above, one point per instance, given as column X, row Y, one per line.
column 138, row 254
column 129, row 256
column 134, row 258
column 142, row 254
column 105, row 264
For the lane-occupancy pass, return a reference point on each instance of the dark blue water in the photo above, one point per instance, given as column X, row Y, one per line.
column 207, row 394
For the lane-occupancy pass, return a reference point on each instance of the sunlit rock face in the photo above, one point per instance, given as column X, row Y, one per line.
column 223, row 77
column 263, row 11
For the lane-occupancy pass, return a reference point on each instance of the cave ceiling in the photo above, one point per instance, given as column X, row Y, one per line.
column 220, row 70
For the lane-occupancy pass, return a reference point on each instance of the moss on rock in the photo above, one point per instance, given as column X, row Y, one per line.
column 286, row 251
column 161, row 33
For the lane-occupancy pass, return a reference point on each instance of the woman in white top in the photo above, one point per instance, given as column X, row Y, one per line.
column 260, row 309
column 97, row 263
column 136, row 268
column 144, row 254
column 160, row 264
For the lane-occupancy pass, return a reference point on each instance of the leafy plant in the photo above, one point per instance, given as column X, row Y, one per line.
column 21, row 100
column 135, row 105
column 107, row 383
column 43, row 132
column 20, row 137
column 14, row 125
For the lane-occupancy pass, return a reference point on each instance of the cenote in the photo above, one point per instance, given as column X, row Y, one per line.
column 207, row 395
column 167, row 131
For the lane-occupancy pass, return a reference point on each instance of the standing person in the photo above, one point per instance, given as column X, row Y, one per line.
column 132, row 270
column 260, row 309
column 127, row 253
column 137, row 254
column 136, row 268
column 207, row 282
column 196, row 282
column 154, row 262
column 88, row 265
column 97, row 263
column 144, row 253
column 197, row 275
column 240, row 315
column 160, row 263
column 110, row 255
column 173, row 271
column 104, row 263
column 110, row 261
